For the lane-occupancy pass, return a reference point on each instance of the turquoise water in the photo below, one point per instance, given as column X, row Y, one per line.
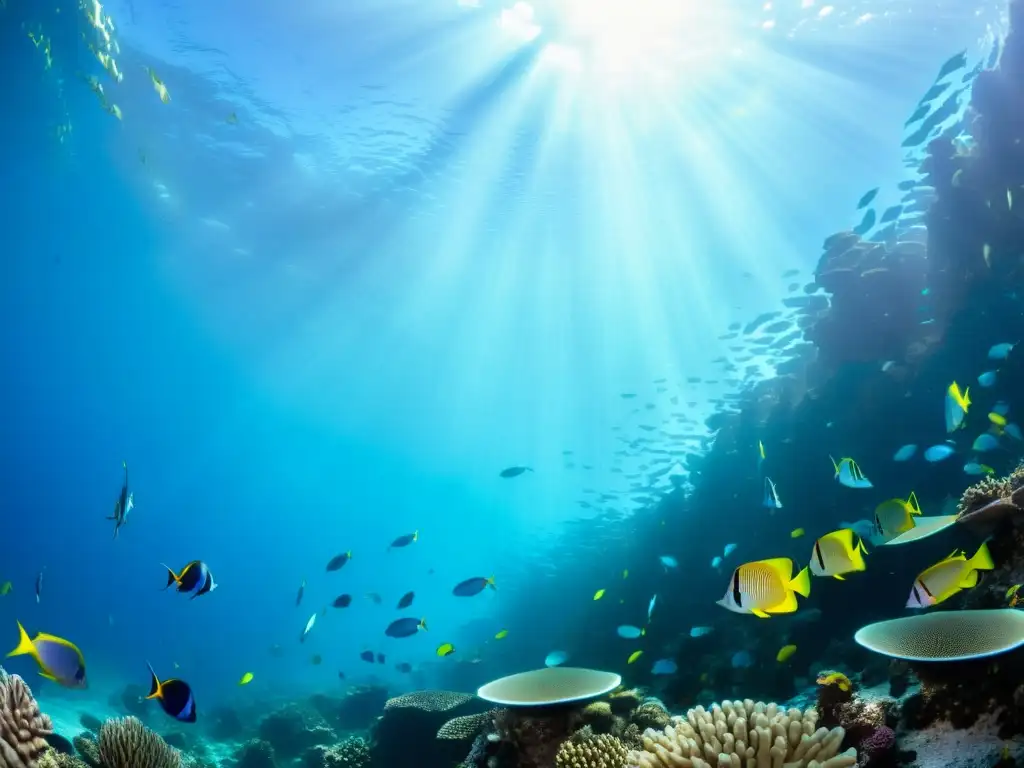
column 367, row 256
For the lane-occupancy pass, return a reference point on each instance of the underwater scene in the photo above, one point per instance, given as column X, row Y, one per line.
column 512, row 384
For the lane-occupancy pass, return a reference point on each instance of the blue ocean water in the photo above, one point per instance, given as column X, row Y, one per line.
column 367, row 256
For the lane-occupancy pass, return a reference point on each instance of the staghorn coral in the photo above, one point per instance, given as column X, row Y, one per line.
column 127, row 743
column 23, row 728
column 743, row 734
column 587, row 750
column 429, row 701
column 466, row 727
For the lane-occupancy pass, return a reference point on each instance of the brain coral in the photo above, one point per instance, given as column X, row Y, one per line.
column 127, row 743
column 23, row 728
column 592, row 751
column 742, row 734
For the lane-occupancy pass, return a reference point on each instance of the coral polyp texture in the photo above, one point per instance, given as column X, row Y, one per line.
column 127, row 743
column 23, row 728
column 429, row 701
column 592, row 751
column 946, row 635
column 986, row 503
column 743, row 734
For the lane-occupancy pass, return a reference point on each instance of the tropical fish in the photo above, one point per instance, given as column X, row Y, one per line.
column 771, row 496
column 302, row 591
column 650, row 608
column 838, row 679
column 246, row 678
column 501, row 634
column 957, row 404
column 342, row 601
column 952, row 64
column 742, row 660
column 716, row 562
column 123, row 505
column 905, row 453
column 985, row 442
column 374, row 598
column 556, row 658
column 835, row 554
column 785, row 652
column 764, row 587
column 316, row 659
column 367, row 656
column 381, row 658
column 866, row 198
column 406, row 600
column 1014, row 431
column 634, row 656
column 629, row 632
column 997, row 418
column 514, row 471
column 1000, row 351
column 175, row 697
column 796, row 533
column 760, row 454
column 701, row 631
column 474, row 586
column 729, row 549
column 309, row 627
column 848, row 473
column 599, row 594
column 664, row 667
column 896, row 516
column 405, row 627
column 404, row 541
column 939, row 452
column 338, row 561
column 974, row 468
column 195, row 578
column 668, row 561
column 39, row 587
column 59, row 660
column 948, row 576
column 987, row 379
column 1012, row 591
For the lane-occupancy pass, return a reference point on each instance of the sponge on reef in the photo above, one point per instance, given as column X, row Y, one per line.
column 742, row 734
column 23, row 728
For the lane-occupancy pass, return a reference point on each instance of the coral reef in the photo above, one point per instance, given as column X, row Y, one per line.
column 588, row 750
column 535, row 735
column 743, row 735
column 23, row 728
column 417, row 718
column 291, row 731
column 54, row 759
column 127, row 743
column 255, row 753
column 88, row 749
column 991, row 500
column 467, row 727
column 355, row 710
column 351, row 753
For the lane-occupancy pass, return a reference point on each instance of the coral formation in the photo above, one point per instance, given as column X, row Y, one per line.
column 591, row 751
column 127, row 743
column 351, row 753
column 535, row 735
column 743, row 734
column 23, row 728
column 54, row 759
column 255, row 753
column 986, row 503
column 466, row 727
column 417, row 718
column 429, row 701
column 291, row 731
column 86, row 746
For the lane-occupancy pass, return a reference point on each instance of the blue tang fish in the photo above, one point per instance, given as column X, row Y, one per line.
column 473, row 586
column 195, row 578
column 58, row 659
column 175, row 697
column 405, row 627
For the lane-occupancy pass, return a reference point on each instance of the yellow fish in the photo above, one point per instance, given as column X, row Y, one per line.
column 445, row 649
column 995, row 418
column 837, row 679
column 948, row 576
column 502, row 634
column 785, row 652
column 835, row 554
column 159, row 87
column 634, row 656
column 6, row 588
column 957, row 403
column 796, row 533
column 1009, row 593
column 246, row 679
column 896, row 516
column 765, row 587
column 599, row 594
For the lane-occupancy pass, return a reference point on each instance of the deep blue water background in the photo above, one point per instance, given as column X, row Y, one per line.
column 449, row 318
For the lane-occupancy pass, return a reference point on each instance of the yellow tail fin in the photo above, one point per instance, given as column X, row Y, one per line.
column 25, row 647
column 802, row 583
column 982, row 560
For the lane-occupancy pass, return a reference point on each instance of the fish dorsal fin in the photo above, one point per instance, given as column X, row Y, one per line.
column 912, row 504
column 782, row 566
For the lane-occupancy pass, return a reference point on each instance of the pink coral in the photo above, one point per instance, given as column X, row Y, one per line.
column 23, row 728
column 877, row 744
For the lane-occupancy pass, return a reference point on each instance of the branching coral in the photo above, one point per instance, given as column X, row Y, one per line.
column 988, row 501
column 23, row 728
column 87, row 747
column 586, row 750
column 54, row 759
column 127, row 743
column 743, row 734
